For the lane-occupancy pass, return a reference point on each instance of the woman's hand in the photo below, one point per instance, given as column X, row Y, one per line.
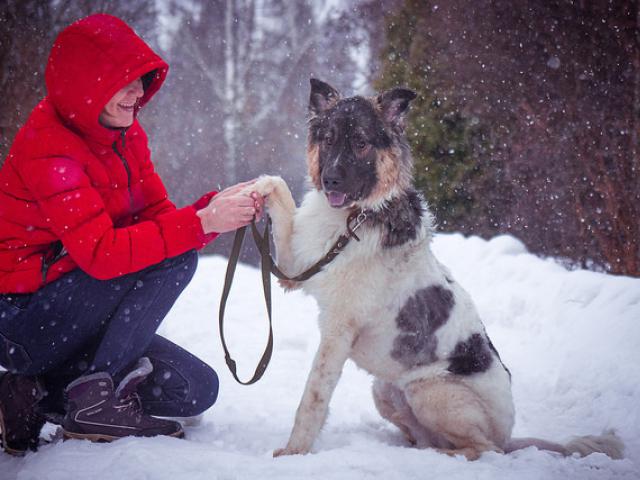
column 231, row 209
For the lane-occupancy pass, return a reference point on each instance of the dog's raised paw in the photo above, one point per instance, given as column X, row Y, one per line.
column 267, row 184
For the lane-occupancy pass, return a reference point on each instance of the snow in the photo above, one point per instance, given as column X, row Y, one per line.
column 570, row 339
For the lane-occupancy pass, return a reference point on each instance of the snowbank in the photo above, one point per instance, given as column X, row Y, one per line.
column 570, row 338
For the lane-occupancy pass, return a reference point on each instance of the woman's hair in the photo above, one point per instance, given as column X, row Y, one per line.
column 147, row 78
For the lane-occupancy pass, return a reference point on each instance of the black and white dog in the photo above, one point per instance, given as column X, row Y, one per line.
column 385, row 301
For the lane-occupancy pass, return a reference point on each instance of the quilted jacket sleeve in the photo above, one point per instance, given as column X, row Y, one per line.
column 76, row 214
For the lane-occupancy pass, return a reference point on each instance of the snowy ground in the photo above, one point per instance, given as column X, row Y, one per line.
column 570, row 338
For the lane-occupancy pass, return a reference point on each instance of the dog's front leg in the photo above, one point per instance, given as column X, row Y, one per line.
column 334, row 350
column 281, row 207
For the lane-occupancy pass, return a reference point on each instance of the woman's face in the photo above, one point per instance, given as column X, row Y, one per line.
column 119, row 111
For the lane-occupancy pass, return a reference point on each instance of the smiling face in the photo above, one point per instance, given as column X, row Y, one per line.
column 120, row 110
column 356, row 149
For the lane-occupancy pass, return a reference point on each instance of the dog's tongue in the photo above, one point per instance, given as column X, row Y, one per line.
column 336, row 199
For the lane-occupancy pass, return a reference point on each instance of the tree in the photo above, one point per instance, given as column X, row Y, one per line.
column 237, row 61
column 552, row 87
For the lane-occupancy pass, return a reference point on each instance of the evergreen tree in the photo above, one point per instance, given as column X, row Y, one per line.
column 447, row 147
column 528, row 120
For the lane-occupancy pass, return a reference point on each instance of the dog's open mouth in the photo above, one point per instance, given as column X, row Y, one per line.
column 336, row 199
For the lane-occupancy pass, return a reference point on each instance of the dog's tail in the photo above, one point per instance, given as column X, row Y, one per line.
column 608, row 443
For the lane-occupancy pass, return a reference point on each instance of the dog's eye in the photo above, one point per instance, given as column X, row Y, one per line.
column 361, row 144
column 328, row 138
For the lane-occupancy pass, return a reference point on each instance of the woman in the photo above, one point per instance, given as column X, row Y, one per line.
column 93, row 254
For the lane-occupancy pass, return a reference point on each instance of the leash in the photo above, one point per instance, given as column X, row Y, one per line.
column 268, row 266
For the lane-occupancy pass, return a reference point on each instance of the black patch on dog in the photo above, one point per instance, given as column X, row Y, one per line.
column 401, row 219
column 422, row 314
column 471, row 356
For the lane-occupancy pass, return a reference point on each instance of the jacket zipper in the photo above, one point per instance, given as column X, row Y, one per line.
column 125, row 163
column 58, row 251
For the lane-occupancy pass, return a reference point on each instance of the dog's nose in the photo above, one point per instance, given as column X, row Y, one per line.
column 332, row 180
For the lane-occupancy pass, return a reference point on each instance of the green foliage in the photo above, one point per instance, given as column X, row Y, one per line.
column 442, row 140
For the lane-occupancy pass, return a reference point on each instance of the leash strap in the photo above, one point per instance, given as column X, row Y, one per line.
column 262, row 241
column 268, row 266
column 266, row 283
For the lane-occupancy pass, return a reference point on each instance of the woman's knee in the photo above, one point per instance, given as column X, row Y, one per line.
column 205, row 391
column 183, row 391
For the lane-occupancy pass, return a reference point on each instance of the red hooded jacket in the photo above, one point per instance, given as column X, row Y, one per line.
column 76, row 194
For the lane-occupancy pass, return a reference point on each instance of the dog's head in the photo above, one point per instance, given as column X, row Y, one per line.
column 357, row 153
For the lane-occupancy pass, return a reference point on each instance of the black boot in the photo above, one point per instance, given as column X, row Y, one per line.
column 20, row 421
column 98, row 413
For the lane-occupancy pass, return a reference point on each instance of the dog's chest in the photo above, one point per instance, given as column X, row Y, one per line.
column 352, row 281
column 372, row 349
column 362, row 286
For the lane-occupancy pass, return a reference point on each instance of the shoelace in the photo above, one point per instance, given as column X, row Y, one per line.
column 131, row 402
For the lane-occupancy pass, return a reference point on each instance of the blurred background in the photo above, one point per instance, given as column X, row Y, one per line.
column 526, row 122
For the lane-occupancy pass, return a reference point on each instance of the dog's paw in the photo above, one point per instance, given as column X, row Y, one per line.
column 267, row 184
column 280, row 452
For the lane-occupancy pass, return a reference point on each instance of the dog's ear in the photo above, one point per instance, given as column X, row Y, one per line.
column 322, row 97
column 394, row 104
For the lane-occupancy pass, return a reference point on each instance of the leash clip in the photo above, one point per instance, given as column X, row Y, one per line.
column 360, row 219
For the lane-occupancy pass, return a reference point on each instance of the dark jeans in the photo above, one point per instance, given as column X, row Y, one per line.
column 79, row 325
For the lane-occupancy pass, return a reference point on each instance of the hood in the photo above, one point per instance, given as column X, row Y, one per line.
column 90, row 61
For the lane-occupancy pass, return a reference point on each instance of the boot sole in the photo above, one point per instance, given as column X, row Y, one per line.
column 102, row 438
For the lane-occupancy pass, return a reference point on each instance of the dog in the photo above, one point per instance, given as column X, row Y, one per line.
column 385, row 301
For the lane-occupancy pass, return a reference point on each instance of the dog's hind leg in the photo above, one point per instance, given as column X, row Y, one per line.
column 392, row 405
column 388, row 400
column 457, row 413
